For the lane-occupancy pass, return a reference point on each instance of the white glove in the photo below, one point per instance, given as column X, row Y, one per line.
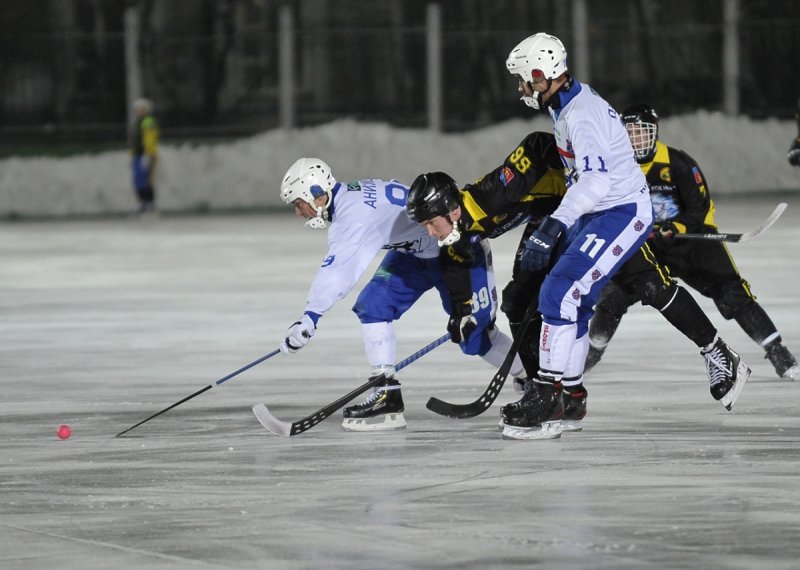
column 298, row 335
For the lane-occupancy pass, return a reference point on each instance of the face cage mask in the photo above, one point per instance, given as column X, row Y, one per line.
column 643, row 138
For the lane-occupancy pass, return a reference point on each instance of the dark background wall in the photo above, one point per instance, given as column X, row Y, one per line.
column 211, row 66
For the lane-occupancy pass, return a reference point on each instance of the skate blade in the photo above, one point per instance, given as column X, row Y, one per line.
column 742, row 375
column 792, row 373
column 384, row 422
column 571, row 425
column 547, row 430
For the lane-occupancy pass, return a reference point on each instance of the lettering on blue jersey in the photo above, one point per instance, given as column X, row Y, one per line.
column 369, row 194
column 328, row 260
column 397, row 194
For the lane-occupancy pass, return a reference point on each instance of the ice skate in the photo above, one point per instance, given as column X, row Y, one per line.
column 785, row 364
column 574, row 408
column 381, row 411
column 537, row 415
column 727, row 374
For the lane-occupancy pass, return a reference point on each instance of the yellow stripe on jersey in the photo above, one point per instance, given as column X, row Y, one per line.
column 474, row 210
column 550, row 184
column 663, row 270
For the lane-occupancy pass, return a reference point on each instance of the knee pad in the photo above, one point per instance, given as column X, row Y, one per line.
column 656, row 293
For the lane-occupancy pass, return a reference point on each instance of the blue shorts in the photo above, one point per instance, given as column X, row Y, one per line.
column 402, row 278
column 595, row 247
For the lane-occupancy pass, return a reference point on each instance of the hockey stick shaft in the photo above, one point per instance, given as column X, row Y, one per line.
column 190, row 396
column 746, row 236
column 484, row 402
column 287, row 429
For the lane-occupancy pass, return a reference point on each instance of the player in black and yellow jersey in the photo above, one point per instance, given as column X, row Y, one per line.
column 682, row 204
column 526, row 187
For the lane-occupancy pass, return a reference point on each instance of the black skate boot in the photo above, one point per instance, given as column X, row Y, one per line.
column 785, row 364
column 727, row 373
column 574, row 407
column 593, row 357
column 381, row 411
column 537, row 415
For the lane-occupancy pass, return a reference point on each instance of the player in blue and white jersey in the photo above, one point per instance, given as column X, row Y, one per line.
column 363, row 218
column 604, row 217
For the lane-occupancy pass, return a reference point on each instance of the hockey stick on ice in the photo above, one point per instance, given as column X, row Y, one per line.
column 217, row 383
column 746, row 236
column 476, row 408
column 287, row 429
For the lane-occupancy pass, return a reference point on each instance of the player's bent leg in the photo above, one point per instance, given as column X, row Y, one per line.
column 500, row 345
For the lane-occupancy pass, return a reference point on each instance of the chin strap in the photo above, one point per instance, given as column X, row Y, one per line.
column 452, row 238
column 554, row 102
column 318, row 221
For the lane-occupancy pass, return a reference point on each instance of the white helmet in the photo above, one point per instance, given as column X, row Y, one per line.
column 307, row 179
column 539, row 51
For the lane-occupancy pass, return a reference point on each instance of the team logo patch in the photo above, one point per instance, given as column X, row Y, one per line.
column 506, row 175
column 596, row 275
column 499, row 218
column 698, row 178
column 665, row 174
column 617, row 251
column 353, row 186
column 638, row 226
column 576, row 294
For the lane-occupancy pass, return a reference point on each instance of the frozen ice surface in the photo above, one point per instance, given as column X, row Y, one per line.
column 104, row 323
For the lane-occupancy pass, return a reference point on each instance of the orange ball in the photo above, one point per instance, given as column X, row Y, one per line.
column 64, row 431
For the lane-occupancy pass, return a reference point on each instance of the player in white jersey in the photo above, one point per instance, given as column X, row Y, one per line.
column 604, row 217
column 364, row 217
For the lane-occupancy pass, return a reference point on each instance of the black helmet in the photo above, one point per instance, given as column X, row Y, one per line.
column 641, row 122
column 433, row 194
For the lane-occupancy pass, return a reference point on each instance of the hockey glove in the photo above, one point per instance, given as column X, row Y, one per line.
column 461, row 323
column 298, row 335
column 539, row 247
column 665, row 236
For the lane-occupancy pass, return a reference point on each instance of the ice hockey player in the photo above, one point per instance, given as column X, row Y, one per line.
column 603, row 219
column 682, row 203
column 364, row 217
column 528, row 186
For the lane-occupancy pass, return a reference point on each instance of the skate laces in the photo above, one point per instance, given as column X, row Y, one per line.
column 718, row 365
column 377, row 393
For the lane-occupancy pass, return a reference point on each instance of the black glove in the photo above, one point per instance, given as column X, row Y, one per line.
column 665, row 236
column 539, row 246
column 461, row 323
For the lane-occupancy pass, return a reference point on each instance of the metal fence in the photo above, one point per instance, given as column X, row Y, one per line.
column 214, row 68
